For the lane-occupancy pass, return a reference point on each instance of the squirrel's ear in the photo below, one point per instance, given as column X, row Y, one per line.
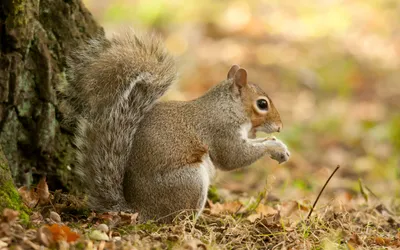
column 232, row 71
column 240, row 78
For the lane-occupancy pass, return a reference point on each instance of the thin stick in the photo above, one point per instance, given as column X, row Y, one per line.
column 320, row 192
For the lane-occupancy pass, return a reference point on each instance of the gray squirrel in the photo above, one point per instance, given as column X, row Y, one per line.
column 135, row 153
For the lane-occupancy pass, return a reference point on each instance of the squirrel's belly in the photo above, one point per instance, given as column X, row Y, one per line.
column 207, row 172
column 208, row 166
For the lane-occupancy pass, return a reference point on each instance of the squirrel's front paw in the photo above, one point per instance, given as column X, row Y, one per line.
column 280, row 157
column 278, row 151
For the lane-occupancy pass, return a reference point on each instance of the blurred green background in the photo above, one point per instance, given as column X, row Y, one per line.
column 330, row 66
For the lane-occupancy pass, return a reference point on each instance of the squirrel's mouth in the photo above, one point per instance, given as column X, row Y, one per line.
column 266, row 128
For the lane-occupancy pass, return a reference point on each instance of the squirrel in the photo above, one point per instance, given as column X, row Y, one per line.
column 136, row 153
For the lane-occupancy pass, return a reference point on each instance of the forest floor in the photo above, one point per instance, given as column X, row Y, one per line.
column 358, row 221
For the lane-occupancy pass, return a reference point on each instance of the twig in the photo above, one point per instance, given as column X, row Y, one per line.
column 320, row 192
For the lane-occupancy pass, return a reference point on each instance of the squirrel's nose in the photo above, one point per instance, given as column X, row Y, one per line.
column 279, row 127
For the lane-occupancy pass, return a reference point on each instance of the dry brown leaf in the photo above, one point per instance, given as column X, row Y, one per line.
column 261, row 212
column 36, row 217
column 265, row 210
column 44, row 236
column 108, row 245
column 42, row 191
column 293, row 211
column 63, row 245
column 31, row 244
column 4, row 229
column 385, row 242
column 194, row 244
column 225, row 208
column 271, row 220
column 253, row 217
column 355, row 240
column 10, row 215
column 108, row 216
column 289, row 207
column 63, row 233
column 29, row 196
column 117, row 218
column 350, row 246
column 128, row 218
column 3, row 244
column 382, row 241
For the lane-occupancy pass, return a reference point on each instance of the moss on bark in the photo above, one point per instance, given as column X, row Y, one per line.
column 9, row 197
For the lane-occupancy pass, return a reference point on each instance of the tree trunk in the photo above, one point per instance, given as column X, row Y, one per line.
column 35, row 37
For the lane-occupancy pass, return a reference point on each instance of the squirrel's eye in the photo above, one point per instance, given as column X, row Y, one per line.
column 262, row 104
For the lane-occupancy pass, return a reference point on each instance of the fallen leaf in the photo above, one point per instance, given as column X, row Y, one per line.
column 350, row 246
column 225, row 208
column 173, row 237
column 31, row 244
column 63, row 233
column 261, row 212
column 382, row 241
column 128, row 218
column 29, row 196
column 63, row 245
column 116, row 218
column 355, row 240
column 265, row 210
column 42, row 190
column 10, row 215
column 271, row 220
column 4, row 229
column 44, row 236
column 289, row 207
column 253, row 217
column 194, row 244
column 36, row 218
column 3, row 244
column 108, row 216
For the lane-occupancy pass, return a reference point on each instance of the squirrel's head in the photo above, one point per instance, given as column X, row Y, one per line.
column 258, row 106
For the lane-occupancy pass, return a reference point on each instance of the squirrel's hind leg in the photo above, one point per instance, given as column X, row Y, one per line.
column 163, row 195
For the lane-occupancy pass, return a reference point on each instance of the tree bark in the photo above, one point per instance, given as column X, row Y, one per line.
column 35, row 37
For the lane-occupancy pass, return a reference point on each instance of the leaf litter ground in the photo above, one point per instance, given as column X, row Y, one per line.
column 62, row 221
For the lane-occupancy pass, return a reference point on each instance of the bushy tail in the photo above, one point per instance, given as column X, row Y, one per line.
column 112, row 84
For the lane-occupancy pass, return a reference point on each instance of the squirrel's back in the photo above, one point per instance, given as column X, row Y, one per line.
column 112, row 84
